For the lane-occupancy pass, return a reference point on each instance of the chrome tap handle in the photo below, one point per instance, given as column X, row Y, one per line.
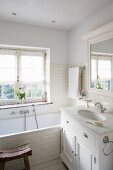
column 101, row 107
column 26, row 111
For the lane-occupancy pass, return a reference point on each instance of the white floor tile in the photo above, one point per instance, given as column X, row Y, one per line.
column 52, row 165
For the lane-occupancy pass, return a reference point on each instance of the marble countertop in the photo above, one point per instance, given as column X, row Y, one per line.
column 107, row 124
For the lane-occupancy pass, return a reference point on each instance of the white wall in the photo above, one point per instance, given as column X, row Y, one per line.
column 12, row 33
column 78, row 47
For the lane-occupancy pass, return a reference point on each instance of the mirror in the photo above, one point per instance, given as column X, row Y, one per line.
column 101, row 65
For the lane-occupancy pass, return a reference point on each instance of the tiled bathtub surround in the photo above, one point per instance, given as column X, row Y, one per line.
column 45, row 145
column 58, row 86
column 17, row 123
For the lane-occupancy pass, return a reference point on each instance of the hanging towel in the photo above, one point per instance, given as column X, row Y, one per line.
column 74, row 82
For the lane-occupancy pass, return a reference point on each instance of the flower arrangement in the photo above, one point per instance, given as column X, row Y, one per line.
column 98, row 83
column 21, row 94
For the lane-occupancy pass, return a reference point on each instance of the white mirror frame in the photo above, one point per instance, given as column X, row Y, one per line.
column 98, row 35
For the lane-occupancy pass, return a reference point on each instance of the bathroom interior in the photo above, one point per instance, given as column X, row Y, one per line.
column 56, row 92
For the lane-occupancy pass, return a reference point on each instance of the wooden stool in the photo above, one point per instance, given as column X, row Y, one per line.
column 15, row 153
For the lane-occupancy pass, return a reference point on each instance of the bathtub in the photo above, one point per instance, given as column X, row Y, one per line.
column 12, row 121
column 45, row 144
column 17, row 128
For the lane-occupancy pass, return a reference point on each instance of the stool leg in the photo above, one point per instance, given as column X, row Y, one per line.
column 26, row 162
column 2, row 166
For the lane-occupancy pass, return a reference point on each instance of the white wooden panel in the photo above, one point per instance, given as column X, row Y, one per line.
column 69, row 147
column 84, row 158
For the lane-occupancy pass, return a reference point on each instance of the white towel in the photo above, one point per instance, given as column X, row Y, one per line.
column 74, row 82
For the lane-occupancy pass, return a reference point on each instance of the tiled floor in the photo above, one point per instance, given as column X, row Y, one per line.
column 52, row 165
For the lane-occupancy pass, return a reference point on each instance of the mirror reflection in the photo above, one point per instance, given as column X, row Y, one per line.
column 101, row 65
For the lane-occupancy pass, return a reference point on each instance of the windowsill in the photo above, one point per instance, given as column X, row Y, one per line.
column 24, row 105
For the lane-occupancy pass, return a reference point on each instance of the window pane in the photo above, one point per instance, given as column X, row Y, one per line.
column 93, row 69
column 7, row 75
column 104, row 69
column 32, row 75
column 7, row 68
column 33, row 89
column 8, row 91
column 32, row 69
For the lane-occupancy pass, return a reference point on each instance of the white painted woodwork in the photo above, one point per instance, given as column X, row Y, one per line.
column 69, row 146
column 84, row 158
column 96, row 36
column 87, row 146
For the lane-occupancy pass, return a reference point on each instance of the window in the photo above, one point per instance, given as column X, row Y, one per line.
column 22, row 69
column 101, row 68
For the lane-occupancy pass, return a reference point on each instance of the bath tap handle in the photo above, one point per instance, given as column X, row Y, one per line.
column 13, row 113
column 21, row 112
column 26, row 111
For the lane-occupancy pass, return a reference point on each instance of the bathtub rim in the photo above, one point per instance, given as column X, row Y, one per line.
column 30, row 131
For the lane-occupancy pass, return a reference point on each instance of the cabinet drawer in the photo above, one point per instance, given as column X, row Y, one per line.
column 87, row 138
column 67, row 123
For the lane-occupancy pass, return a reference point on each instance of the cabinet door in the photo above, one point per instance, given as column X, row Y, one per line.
column 69, row 147
column 84, row 158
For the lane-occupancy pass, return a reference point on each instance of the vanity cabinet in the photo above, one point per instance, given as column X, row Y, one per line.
column 81, row 147
column 77, row 145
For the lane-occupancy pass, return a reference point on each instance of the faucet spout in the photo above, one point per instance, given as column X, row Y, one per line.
column 101, row 107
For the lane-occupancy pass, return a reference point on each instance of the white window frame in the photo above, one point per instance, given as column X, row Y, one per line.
column 18, row 52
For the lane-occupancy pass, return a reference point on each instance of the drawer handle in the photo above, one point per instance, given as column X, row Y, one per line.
column 67, row 121
column 85, row 135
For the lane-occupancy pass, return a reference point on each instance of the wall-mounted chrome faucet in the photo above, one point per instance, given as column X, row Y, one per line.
column 101, row 107
column 23, row 112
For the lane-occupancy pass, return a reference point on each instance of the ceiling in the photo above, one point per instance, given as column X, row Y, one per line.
column 67, row 13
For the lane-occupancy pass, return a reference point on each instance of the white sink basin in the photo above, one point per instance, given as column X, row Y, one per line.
column 87, row 114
